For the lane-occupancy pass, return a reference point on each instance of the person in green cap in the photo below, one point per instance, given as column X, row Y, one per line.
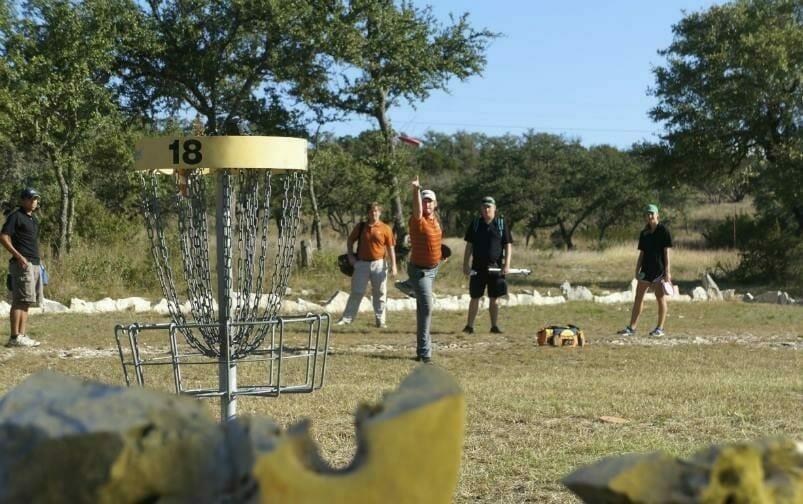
column 652, row 268
column 488, row 245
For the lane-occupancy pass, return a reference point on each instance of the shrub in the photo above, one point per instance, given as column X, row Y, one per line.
column 729, row 235
column 773, row 252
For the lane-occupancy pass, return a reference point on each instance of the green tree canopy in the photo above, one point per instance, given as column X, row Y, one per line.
column 55, row 96
column 222, row 58
column 391, row 51
column 731, row 98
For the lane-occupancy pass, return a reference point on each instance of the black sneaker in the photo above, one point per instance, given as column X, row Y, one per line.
column 406, row 287
column 468, row 329
column 496, row 330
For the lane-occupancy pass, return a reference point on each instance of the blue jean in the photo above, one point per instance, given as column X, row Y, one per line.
column 422, row 280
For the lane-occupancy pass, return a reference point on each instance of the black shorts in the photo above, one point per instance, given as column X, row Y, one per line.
column 650, row 276
column 497, row 287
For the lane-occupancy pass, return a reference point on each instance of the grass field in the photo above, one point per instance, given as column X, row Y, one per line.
column 726, row 371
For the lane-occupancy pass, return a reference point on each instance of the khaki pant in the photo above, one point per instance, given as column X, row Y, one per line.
column 26, row 283
column 364, row 271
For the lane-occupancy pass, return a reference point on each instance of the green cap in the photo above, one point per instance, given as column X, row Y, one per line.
column 651, row 208
column 488, row 201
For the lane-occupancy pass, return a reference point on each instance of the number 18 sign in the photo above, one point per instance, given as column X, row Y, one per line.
column 169, row 153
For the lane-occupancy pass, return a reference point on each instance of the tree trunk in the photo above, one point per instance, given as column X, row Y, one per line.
column 316, row 215
column 567, row 236
column 399, row 226
column 64, row 211
column 797, row 210
column 70, row 208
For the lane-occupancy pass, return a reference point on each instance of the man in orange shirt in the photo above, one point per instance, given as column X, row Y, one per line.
column 425, row 256
column 375, row 240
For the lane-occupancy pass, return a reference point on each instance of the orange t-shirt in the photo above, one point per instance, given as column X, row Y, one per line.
column 374, row 240
column 425, row 241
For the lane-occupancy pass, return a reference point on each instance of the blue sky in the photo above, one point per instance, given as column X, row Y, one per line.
column 579, row 68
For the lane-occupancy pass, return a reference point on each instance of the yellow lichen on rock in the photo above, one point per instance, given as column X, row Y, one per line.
column 409, row 451
column 764, row 472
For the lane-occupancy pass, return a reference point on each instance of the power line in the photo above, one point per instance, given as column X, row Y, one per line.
column 512, row 126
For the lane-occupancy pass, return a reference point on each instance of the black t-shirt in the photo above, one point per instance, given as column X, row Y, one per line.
column 24, row 232
column 653, row 245
column 487, row 242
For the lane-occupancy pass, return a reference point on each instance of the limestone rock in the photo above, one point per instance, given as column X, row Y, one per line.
column 699, row 294
column 748, row 298
column 711, row 288
column 765, row 472
column 576, row 293
column 399, row 304
column 305, row 306
column 50, row 306
column 409, row 451
column 615, row 297
column 728, row 294
column 66, row 440
column 337, row 303
column 136, row 304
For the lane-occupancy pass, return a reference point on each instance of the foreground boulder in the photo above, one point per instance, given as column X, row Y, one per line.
column 66, row 440
column 765, row 472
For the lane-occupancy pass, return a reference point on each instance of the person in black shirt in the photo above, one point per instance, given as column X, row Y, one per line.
column 488, row 245
column 20, row 236
column 652, row 268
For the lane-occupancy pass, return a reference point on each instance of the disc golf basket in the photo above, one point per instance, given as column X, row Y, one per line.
column 230, row 313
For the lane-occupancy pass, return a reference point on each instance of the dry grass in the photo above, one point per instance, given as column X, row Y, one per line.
column 727, row 371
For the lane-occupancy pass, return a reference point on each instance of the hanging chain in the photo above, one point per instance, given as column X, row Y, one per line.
column 245, row 285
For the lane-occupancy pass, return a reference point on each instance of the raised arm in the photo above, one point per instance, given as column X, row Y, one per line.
column 417, row 212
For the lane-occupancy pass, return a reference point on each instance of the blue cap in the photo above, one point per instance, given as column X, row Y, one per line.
column 29, row 193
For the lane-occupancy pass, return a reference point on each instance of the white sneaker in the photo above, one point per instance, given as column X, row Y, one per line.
column 22, row 341
column 343, row 322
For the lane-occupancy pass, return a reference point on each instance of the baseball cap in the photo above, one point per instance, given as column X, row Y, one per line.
column 488, row 201
column 651, row 208
column 29, row 192
column 428, row 194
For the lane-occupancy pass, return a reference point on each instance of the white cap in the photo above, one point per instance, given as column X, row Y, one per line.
column 428, row 194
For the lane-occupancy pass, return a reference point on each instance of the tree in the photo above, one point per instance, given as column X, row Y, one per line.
column 54, row 89
column 222, row 58
column 392, row 51
column 344, row 180
column 731, row 98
